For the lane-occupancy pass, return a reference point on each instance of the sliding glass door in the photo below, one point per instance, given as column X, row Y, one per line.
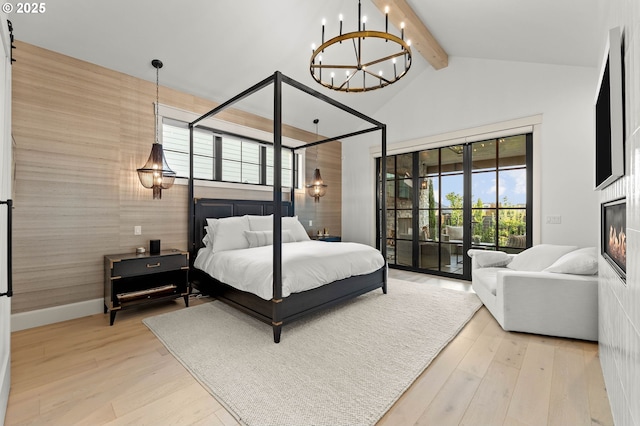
column 443, row 201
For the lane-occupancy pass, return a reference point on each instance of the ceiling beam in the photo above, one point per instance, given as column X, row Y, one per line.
column 421, row 38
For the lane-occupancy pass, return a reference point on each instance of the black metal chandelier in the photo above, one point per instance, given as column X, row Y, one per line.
column 368, row 60
column 156, row 174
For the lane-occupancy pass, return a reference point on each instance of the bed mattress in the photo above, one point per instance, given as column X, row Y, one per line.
column 305, row 265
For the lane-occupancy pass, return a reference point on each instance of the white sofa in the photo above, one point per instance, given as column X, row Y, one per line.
column 547, row 289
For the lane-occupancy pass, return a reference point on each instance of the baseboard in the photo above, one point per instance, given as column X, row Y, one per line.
column 25, row 320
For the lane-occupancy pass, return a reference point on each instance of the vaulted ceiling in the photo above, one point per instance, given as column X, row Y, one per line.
column 216, row 49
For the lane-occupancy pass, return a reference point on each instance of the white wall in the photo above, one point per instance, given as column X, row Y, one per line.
column 619, row 302
column 476, row 92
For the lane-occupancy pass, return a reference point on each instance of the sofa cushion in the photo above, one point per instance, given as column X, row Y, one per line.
column 539, row 257
column 580, row 262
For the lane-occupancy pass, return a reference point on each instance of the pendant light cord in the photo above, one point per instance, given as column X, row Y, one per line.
column 157, row 101
column 316, row 121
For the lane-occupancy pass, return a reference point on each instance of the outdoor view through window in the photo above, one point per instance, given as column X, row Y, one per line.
column 428, row 214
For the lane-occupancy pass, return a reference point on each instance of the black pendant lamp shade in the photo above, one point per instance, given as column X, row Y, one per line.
column 318, row 188
column 156, row 174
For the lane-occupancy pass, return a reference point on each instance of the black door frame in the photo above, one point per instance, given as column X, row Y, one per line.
column 467, row 209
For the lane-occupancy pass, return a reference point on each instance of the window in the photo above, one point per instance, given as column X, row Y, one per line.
column 436, row 196
column 218, row 156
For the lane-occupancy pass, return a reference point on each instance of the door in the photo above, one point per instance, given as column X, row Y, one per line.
column 443, row 201
column 5, row 194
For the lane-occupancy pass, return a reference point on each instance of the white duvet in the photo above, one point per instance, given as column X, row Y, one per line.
column 305, row 265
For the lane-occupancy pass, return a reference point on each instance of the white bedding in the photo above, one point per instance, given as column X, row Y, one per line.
column 305, row 265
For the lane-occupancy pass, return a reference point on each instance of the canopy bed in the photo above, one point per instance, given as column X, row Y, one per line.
column 217, row 227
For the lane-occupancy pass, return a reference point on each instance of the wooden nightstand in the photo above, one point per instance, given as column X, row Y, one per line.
column 132, row 279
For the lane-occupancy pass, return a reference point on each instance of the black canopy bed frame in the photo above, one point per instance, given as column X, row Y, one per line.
column 279, row 310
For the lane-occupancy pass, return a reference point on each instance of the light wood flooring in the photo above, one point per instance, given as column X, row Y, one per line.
column 84, row 372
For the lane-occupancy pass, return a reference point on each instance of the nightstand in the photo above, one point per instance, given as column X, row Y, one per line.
column 327, row 238
column 132, row 279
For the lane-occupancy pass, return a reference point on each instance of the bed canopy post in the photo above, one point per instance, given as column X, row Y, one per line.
column 383, row 210
column 191, row 208
column 277, row 206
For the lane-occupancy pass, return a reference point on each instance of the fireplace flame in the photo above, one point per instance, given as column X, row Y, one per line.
column 618, row 245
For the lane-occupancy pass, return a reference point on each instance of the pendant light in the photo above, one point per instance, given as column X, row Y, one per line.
column 156, row 174
column 317, row 188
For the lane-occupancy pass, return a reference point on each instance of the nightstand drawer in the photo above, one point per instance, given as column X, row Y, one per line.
column 149, row 265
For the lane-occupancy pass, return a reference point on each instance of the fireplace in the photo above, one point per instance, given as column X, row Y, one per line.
column 614, row 235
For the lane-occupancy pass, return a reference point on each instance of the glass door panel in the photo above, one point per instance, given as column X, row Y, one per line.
column 483, row 156
column 484, row 227
column 512, row 188
column 404, row 237
column 512, row 152
column 500, row 189
column 443, row 201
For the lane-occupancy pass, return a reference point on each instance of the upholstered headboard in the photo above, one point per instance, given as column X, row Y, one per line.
column 218, row 208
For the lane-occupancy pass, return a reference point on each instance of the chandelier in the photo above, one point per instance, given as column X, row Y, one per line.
column 156, row 174
column 367, row 60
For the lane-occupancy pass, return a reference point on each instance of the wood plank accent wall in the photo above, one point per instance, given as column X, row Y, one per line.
column 80, row 133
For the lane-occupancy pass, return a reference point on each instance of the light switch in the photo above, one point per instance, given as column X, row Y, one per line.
column 137, row 230
column 554, row 220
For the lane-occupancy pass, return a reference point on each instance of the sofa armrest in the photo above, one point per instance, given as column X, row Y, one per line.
column 549, row 303
column 473, row 253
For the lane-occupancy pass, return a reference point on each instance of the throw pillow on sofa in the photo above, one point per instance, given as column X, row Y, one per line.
column 489, row 258
column 539, row 257
column 579, row 262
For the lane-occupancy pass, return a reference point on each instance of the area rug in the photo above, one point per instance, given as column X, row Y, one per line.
column 343, row 366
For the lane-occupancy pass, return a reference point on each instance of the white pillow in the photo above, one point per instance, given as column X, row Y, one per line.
column 296, row 228
column 265, row 238
column 490, row 258
column 207, row 240
column 228, row 233
column 539, row 257
column 580, row 262
column 260, row 223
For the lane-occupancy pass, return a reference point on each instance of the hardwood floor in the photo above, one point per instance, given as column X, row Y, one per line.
column 84, row 372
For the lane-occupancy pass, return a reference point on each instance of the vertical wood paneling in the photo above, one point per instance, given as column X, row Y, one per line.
column 80, row 132
column 327, row 213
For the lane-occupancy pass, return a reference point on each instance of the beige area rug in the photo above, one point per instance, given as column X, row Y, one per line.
column 344, row 366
